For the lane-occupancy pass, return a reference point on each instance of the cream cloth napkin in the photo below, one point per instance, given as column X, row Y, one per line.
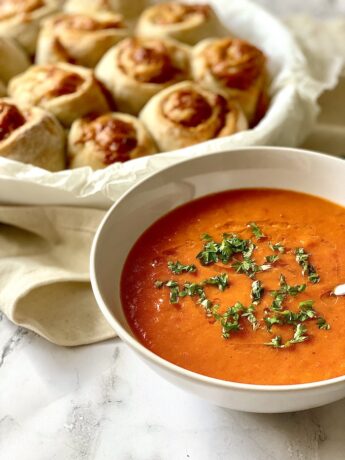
column 44, row 272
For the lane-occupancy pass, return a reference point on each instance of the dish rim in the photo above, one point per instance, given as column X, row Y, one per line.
column 162, row 362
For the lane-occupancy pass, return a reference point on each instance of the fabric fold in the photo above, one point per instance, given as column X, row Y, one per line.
column 44, row 272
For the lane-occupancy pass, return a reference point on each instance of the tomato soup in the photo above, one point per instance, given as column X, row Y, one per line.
column 238, row 286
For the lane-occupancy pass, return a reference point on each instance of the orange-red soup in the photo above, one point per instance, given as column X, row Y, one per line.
column 183, row 334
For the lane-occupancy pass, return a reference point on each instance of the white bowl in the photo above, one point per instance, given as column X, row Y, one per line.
column 144, row 203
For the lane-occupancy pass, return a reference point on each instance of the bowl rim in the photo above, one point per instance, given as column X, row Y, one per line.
column 162, row 362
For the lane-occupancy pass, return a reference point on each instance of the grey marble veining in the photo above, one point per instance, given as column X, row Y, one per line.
column 101, row 402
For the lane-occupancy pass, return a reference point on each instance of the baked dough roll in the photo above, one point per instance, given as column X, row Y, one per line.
column 13, row 59
column 185, row 22
column 186, row 114
column 20, row 19
column 107, row 139
column 31, row 135
column 233, row 68
column 137, row 68
column 128, row 8
column 79, row 38
column 66, row 90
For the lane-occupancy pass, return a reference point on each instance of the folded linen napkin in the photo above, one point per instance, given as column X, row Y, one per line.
column 44, row 272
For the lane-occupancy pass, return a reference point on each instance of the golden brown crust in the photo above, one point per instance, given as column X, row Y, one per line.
column 173, row 13
column 86, row 23
column 149, row 61
column 186, row 114
column 10, row 8
column 60, row 83
column 235, row 62
column 11, row 118
column 115, row 138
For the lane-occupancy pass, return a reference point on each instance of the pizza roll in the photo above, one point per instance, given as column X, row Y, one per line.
column 31, row 135
column 186, row 114
column 137, row 68
column 13, row 59
column 79, row 38
column 20, row 19
column 107, row 139
column 66, row 90
column 232, row 67
column 128, row 8
column 185, row 22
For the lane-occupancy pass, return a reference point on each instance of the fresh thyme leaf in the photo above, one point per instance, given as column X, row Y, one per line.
column 222, row 281
column 277, row 247
column 256, row 230
column 272, row 258
column 302, row 257
column 177, row 268
column 322, row 324
column 257, row 291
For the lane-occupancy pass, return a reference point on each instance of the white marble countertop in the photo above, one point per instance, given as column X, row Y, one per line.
column 100, row 402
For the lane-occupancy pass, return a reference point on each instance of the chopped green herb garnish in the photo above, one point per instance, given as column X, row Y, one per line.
column 249, row 267
column 257, row 291
column 249, row 313
column 249, row 251
column 230, row 319
column 230, row 245
column 277, row 247
column 206, row 237
column 256, row 230
column 285, row 290
column 276, row 342
column 174, row 291
column 270, row 321
column 290, row 290
column 322, row 324
column 222, row 281
column 272, row 258
column 240, row 251
column 177, row 268
column 209, row 255
column 192, row 289
column 302, row 257
column 298, row 337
